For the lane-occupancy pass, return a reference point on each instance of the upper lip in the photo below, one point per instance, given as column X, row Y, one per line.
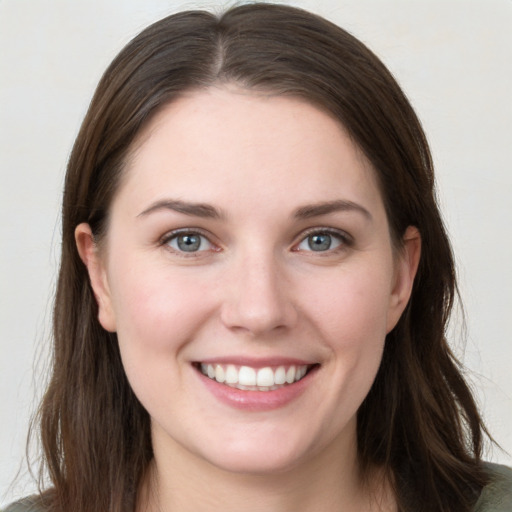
column 257, row 362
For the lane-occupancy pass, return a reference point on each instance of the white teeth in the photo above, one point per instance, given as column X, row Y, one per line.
column 290, row 375
column 280, row 376
column 220, row 375
column 252, row 379
column 247, row 376
column 231, row 374
column 265, row 377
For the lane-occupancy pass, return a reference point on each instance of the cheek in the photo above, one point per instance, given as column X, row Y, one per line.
column 351, row 315
column 347, row 312
column 157, row 310
column 157, row 314
column 351, row 306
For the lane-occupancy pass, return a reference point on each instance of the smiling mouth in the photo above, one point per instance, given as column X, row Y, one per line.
column 247, row 378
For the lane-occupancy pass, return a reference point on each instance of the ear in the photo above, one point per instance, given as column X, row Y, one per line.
column 406, row 266
column 90, row 255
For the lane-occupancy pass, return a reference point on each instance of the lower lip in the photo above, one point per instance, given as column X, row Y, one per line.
column 257, row 400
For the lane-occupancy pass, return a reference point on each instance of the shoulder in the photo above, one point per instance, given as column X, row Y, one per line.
column 496, row 496
column 24, row 505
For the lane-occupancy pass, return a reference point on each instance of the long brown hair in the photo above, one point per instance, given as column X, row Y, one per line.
column 419, row 421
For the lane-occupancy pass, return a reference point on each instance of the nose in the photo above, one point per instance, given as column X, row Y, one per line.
column 258, row 298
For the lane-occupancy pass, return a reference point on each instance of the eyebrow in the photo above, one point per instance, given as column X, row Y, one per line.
column 208, row 211
column 193, row 209
column 324, row 208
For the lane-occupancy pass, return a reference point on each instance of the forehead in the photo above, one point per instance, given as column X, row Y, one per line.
column 222, row 140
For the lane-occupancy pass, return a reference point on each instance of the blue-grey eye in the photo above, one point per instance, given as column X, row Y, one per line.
column 189, row 242
column 319, row 242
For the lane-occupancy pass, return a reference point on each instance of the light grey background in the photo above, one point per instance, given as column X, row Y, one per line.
column 453, row 58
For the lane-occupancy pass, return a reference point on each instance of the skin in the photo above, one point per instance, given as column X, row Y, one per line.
column 255, row 289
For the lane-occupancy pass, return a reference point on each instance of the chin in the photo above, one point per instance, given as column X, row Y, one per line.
column 259, row 458
column 261, row 464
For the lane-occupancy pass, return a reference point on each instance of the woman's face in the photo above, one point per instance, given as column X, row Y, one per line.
column 248, row 245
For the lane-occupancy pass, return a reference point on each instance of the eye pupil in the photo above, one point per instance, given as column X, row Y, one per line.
column 319, row 242
column 189, row 243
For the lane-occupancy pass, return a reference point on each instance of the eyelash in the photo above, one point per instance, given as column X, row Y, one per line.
column 345, row 241
column 173, row 235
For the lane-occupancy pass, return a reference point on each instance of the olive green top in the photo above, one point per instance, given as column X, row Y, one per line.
column 495, row 497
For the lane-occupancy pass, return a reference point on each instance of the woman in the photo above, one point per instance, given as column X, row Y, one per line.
column 254, row 287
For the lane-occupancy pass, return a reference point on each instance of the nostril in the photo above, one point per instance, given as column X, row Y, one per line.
column 258, row 315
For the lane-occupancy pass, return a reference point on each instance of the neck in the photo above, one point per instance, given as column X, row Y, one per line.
column 329, row 481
